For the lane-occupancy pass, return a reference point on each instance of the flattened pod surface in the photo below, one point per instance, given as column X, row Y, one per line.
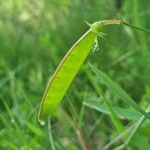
column 65, row 73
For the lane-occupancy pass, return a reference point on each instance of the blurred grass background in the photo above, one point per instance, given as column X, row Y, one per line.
column 34, row 37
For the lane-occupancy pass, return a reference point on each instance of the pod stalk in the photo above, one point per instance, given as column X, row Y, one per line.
column 109, row 22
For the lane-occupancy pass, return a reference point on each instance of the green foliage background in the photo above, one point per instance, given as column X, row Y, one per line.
column 34, row 37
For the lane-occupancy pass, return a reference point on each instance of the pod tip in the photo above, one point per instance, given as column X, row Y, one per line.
column 42, row 123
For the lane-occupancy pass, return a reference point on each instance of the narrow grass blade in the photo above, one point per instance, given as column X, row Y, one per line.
column 118, row 91
column 117, row 123
column 115, row 119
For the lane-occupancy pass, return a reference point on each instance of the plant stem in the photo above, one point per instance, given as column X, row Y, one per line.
column 138, row 28
column 50, row 134
column 83, row 141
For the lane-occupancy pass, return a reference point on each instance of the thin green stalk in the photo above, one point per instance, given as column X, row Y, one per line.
column 50, row 134
column 79, row 133
column 73, row 110
column 16, row 126
column 117, row 123
column 138, row 22
column 81, row 115
column 138, row 28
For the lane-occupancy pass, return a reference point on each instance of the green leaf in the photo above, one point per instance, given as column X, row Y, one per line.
column 118, row 91
column 121, row 113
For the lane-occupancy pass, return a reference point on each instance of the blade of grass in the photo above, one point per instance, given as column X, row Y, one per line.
column 16, row 125
column 76, row 127
column 118, row 91
column 117, row 123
